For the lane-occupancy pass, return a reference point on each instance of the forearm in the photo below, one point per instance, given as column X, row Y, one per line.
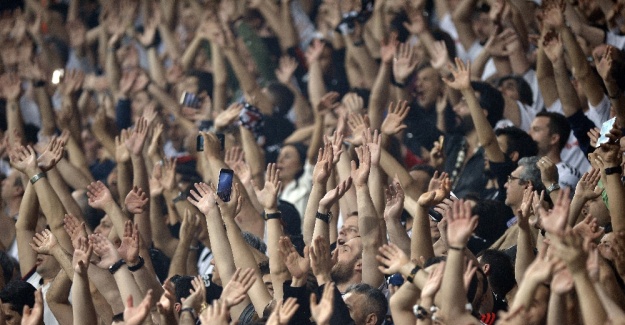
column 401, row 303
column 57, row 299
column 127, row 285
column 169, row 39
column 376, row 184
column 170, row 105
column 557, row 309
column 247, row 82
column 124, row 179
column 316, row 194
column 616, row 205
column 575, row 210
column 421, row 240
column 348, row 201
column 178, row 263
column 140, row 179
column 82, row 305
column 371, row 236
column 220, row 78
column 397, row 235
column 289, row 37
column 161, row 235
column 485, row 132
column 316, row 85
column 188, row 57
column 15, row 123
column 316, row 141
column 253, row 154
column 393, row 168
column 157, row 70
column 568, row 95
column 25, row 229
column 52, row 209
column 452, row 289
column 379, row 95
column 62, row 190
column 546, row 81
column 48, row 126
column 363, row 59
column 525, row 251
column 118, row 218
column 591, row 308
column 278, row 270
column 519, row 62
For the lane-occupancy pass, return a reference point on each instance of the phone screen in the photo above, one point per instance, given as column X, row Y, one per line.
column 224, row 188
column 57, row 76
column 190, row 100
column 199, row 145
column 605, row 129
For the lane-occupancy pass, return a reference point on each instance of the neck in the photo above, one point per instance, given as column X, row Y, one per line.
column 13, row 206
column 472, row 139
column 356, row 278
column 554, row 155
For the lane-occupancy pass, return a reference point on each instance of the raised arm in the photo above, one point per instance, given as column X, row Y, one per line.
column 25, row 229
column 321, row 173
column 392, row 216
column 609, row 158
column 554, row 50
column 82, row 305
column 368, row 219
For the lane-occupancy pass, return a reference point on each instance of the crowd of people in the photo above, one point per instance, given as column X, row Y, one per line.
column 312, row 161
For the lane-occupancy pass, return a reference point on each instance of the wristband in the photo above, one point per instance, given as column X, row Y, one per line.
column 180, row 197
column 277, row 215
column 359, row 43
column 37, row 177
column 614, row 170
column 113, row 268
column 420, row 312
column 397, row 84
column 456, row 248
column 324, row 217
column 39, row 83
column 412, row 274
column 191, row 310
column 137, row 266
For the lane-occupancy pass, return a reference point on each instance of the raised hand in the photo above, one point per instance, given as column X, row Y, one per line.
column 562, row 282
column 360, row 175
column 541, row 268
column 99, row 195
column 74, row 229
column 228, row 116
column 437, row 180
column 587, row 188
column 189, row 226
column 156, row 188
column 320, row 260
column 569, row 248
column 298, row 266
column 234, row 155
column 433, row 284
column 136, row 200
column 394, row 200
column 394, row 121
column 440, row 56
column 552, row 45
column 605, row 65
column 137, row 136
column 460, row 224
column 353, row 103
column 51, row 155
column 553, row 15
column 136, row 315
column 374, row 143
column 554, row 221
column 391, row 258
column 328, row 102
column 322, row 311
column 589, row 229
column 548, row 170
column 334, row 195
column 437, row 155
column 243, row 170
column 203, row 198
column 609, row 154
column 198, row 294
column 149, row 29
column 44, row 242
column 11, row 86
column 283, row 312
column 236, row 289
column 215, row 314
column 24, row 159
column 72, row 82
column 405, row 62
column 286, row 68
column 524, row 211
column 357, row 124
column 268, row 196
column 129, row 248
column 105, row 249
column 323, row 167
column 337, row 145
column 461, row 76
column 231, row 208
column 212, row 145
column 165, row 304
column 154, row 148
column 432, row 198
column 388, row 49
column 314, row 51
column 122, row 154
column 82, row 255
column 34, row 316
column 168, row 178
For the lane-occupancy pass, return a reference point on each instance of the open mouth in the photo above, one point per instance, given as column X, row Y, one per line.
column 340, row 241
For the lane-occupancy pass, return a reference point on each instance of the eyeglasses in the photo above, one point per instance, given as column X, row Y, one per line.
column 513, row 178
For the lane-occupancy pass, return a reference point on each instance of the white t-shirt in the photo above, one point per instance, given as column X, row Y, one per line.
column 600, row 113
column 567, row 176
column 48, row 316
column 539, row 103
column 297, row 192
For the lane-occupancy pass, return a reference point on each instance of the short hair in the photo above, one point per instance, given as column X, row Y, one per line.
column 491, row 100
column 531, row 173
column 283, row 98
column 182, row 284
column 264, row 268
column 519, row 141
column 558, row 124
column 18, row 294
column 254, row 241
column 375, row 302
column 501, row 271
column 204, row 81
column 8, row 266
column 526, row 96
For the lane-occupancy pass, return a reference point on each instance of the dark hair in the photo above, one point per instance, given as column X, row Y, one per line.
column 519, row 141
column 302, row 150
column 491, row 100
column 501, row 271
column 161, row 263
column 283, row 98
column 7, row 265
column 525, row 91
column 263, row 267
column 375, row 302
column 493, row 217
column 204, row 81
column 182, row 285
column 558, row 124
column 441, row 35
column 254, row 241
column 18, row 294
column 397, row 25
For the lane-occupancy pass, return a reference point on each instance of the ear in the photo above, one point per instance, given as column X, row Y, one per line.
column 555, row 138
column 486, row 269
column 371, row 319
column 177, row 307
column 514, row 156
column 358, row 266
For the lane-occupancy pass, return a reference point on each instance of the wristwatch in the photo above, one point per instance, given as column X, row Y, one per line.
column 324, row 217
column 116, row 266
column 553, row 187
column 614, row 170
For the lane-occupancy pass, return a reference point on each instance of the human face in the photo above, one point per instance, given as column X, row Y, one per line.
column 514, row 189
column 429, row 86
column 11, row 317
column 289, row 163
column 47, row 266
column 354, row 302
column 605, row 247
column 348, row 230
column 9, row 186
column 597, row 208
column 348, row 261
column 538, row 308
column 539, row 131
column 510, row 89
column 105, row 226
column 482, row 26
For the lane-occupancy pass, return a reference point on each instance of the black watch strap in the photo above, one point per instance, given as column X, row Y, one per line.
column 137, row 266
column 113, row 268
column 614, row 170
column 324, row 217
column 277, row 215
